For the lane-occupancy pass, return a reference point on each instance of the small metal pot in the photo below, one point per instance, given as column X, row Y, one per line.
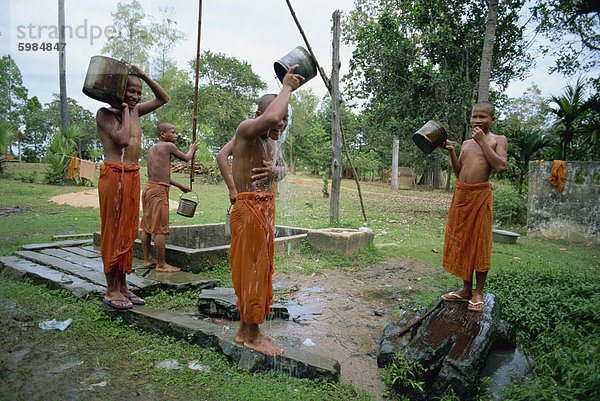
column 430, row 136
column 187, row 207
column 106, row 80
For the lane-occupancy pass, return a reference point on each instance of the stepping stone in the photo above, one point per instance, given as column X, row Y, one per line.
column 22, row 268
column 59, row 244
column 69, row 236
column 83, row 252
column 294, row 362
column 220, row 302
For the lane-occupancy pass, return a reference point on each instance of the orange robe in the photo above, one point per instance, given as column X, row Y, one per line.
column 119, row 193
column 468, row 238
column 252, row 223
column 155, row 204
column 558, row 175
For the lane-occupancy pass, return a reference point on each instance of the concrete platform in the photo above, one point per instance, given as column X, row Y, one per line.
column 76, row 266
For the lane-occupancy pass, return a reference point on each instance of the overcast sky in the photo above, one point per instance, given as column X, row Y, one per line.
column 259, row 32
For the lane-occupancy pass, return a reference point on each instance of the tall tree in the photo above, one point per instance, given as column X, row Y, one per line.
column 134, row 39
column 304, row 108
column 13, row 95
column 36, row 127
column 488, row 51
column 165, row 36
column 570, row 107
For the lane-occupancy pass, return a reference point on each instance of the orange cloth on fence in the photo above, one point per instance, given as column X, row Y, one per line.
column 73, row 167
column 558, row 175
column 468, row 238
column 87, row 170
column 155, row 204
column 252, row 223
column 119, row 195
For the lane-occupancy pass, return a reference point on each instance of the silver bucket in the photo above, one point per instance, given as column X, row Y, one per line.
column 306, row 65
column 187, row 207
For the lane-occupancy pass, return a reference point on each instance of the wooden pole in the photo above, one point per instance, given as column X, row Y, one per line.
column 195, row 121
column 336, row 140
column 328, row 85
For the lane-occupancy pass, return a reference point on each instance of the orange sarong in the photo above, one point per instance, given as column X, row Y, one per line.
column 558, row 175
column 468, row 238
column 252, row 223
column 119, row 194
column 155, row 204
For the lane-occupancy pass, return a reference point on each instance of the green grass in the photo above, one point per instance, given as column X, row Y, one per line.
column 548, row 289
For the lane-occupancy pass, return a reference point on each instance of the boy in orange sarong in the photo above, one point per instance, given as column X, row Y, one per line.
column 119, row 184
column 252, row 219
column 468, row 237
column 155, row 198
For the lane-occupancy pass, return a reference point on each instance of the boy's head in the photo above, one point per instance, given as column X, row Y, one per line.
column 166, row 132
column 482, row 116
column 133, row 93
column 263, row 103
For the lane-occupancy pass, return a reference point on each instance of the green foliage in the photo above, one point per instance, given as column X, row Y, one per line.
column 7, row 135
column 13, row 95
column 59, row 152
column 402, row 373
column 555, row 312
column 510, row 207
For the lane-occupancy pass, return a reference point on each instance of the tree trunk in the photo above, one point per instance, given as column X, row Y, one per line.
column 395, row 164
column 487, row 52
column 64, row 119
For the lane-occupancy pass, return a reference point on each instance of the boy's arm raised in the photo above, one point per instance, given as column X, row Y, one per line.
column 161, row 95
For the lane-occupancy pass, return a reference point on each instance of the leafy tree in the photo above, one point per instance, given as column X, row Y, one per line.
column 7, row 135
column 36, row 128
column 165, row 36
column 62, row 147
column 573, row 25
column 304, row 114
column 13, row 95
column 133, row 40
column 227, row 95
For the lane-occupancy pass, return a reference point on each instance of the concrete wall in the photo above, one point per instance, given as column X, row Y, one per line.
column 574, row 213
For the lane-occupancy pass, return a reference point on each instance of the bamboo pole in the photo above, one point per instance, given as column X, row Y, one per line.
column 328, row 85
column 192, row 162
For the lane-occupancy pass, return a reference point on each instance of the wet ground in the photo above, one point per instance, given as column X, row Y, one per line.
column 341, row 313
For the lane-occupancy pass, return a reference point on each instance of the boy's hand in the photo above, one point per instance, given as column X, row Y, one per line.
column 448, row 146
column 135, row 70
column 291, row 79
column 478, row 135
column 263, row 173
column 232, row 196
column 185, row 189
column 194, row 146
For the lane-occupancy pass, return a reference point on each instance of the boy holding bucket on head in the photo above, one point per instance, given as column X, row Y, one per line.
column 468, row 237
column 119, row 184
column 155, row 198
column 252, row 219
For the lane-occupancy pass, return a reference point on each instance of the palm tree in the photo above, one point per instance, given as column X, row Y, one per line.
column 571, row 105
column 523, row 145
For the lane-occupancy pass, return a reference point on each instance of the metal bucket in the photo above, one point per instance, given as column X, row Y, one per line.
column 227, row 217
column 430, row 136
column 106, row 80
column 187, row 207
column 306, row 65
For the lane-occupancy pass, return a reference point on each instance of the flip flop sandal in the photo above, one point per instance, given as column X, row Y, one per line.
column 456, row 297
column 475, row 306
column 130, row 298
column 111, row 303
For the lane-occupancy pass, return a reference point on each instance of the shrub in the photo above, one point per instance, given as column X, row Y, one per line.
column 510, row 207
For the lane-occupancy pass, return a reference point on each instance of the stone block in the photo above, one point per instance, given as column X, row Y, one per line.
column 340, row 240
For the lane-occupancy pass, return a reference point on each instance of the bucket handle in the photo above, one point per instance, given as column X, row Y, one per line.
column 191, row 192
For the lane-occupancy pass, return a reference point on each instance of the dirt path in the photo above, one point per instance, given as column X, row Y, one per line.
column 89, row 198
column 344, row 312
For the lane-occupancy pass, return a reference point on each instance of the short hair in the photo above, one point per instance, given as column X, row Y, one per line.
column 134, row 77
column 486, row 105
column 163, row 127
column 265, row 101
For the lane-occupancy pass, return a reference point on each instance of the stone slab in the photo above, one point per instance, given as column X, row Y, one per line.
column 142, row 285
column 180, row 281
column 294, row 362
column 83, row 252
column 340, row 240
column 22, row 268
column 220, row 302
column 58, row 244
column 71, row 236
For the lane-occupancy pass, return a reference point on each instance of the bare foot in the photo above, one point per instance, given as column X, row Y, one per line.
column 456, row 296
column 244, row 332
column 264, row 346
column 132, row 298
column 166, row 268
column 149, row 262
